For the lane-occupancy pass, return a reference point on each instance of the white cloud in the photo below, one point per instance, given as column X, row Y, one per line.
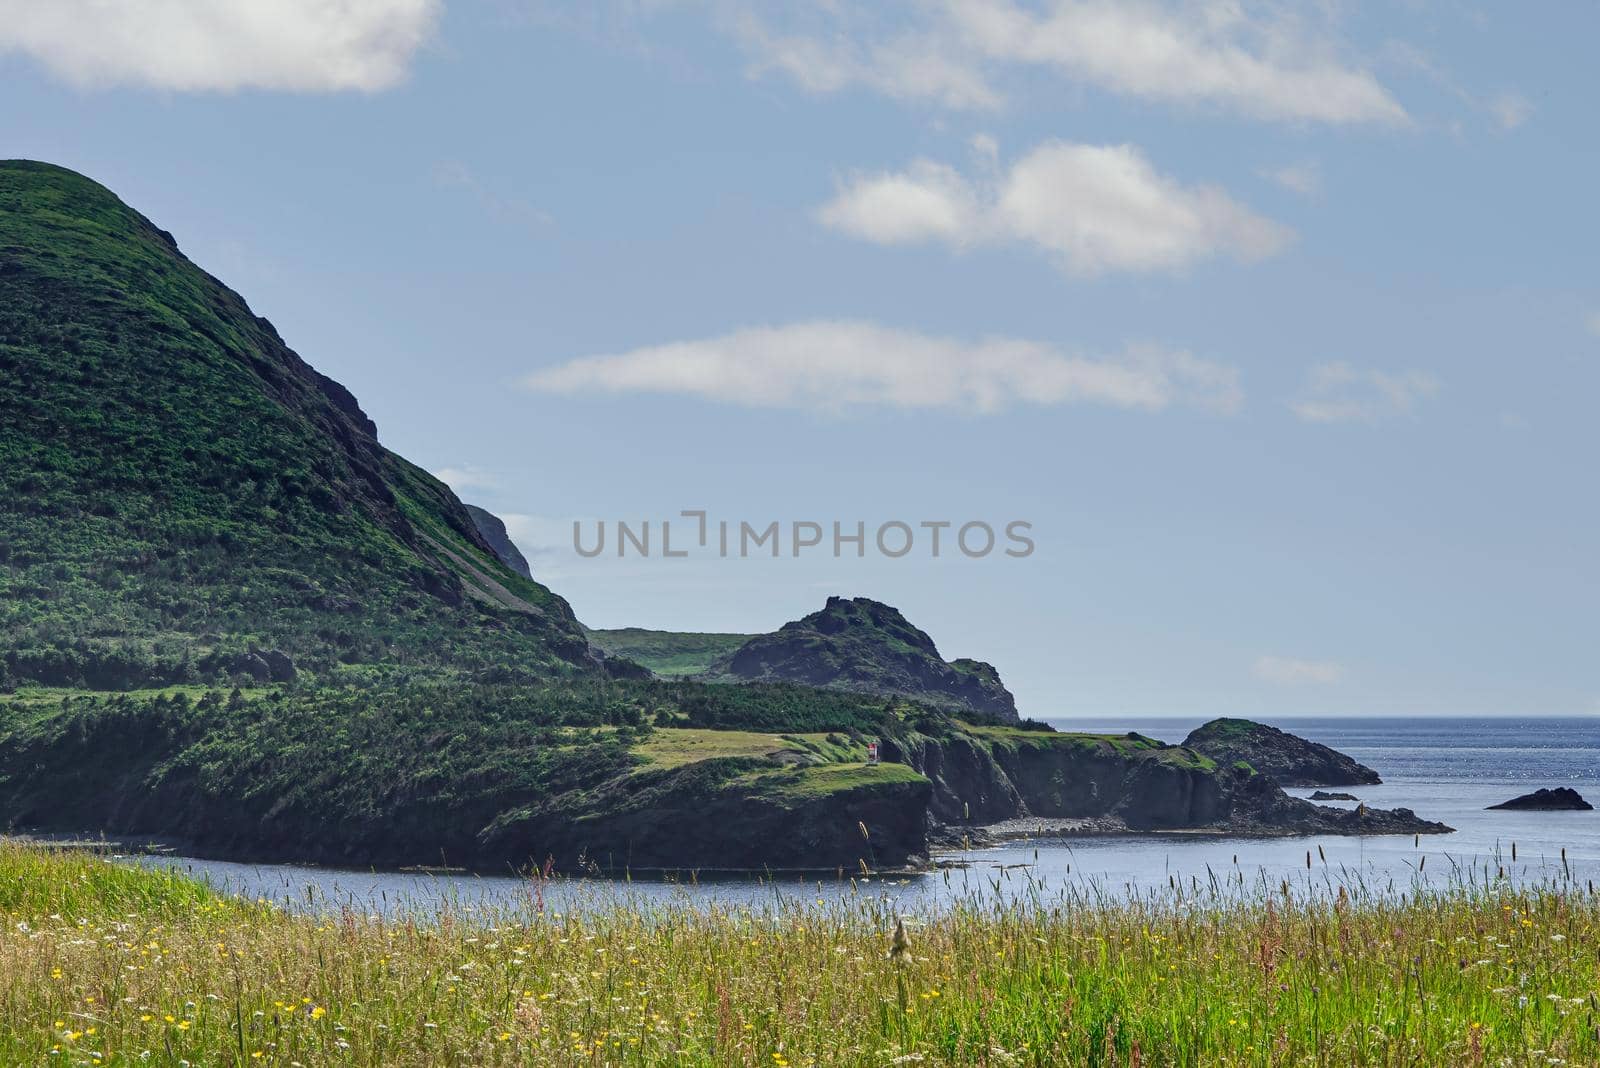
column 1096, row 208
column 1340, row 393
column 308, row 45
column 905, row 66
column 1265, row 61
column 841, row 366
column 1302, row 178
column 1510, row 110
column 464, row 477
column 1287, row 671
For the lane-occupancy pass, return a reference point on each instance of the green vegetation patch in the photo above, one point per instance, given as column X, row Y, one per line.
column 671, row 747
column 1131, row 744
column 38, row 880
column 820, row 780
column 666, row 652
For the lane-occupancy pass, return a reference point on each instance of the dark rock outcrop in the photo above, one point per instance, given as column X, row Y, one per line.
column 280, row 668
column 1324, row 795
column 1106, row 784
column 252, row 665
column 868, row 647
column 493, row 529
column 264, row 665
column 1285, row 758
column 1561, row 799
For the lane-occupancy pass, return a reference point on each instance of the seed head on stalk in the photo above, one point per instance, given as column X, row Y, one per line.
column 900, row 945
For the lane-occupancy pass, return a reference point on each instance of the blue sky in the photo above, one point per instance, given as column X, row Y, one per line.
column 1279, row 324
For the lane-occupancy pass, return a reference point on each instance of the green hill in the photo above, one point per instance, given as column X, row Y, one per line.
column 180, row 487
column 668, row 653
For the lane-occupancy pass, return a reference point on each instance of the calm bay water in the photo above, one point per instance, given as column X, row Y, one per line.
column 1446, row 769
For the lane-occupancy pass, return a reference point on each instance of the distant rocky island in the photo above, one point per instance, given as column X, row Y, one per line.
column 1561, row 799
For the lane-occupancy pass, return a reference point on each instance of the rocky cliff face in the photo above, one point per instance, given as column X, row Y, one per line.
column 493, row 529
column 1286, row 759
column 1115, row 782
column 868, row 647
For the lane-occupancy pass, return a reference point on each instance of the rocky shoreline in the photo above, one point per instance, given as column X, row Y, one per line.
column 952, row 838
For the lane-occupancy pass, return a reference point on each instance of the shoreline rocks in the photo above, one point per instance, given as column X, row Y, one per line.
column 992, row 785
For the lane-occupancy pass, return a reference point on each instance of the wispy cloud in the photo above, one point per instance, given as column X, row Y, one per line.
column 843, row 366
column 453, row 174
column 1340, row 393
column 1268, row 62
column 222, row 45
column 464, row 477
column 1288, row 671
column 1510, row 110
column 1593, row 323
column 1094, row 208
column 1302, row 178
column 908, row 65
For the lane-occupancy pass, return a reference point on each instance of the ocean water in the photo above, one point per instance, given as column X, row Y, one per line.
column 1446, row 769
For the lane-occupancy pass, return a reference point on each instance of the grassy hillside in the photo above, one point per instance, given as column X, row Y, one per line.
column 111, row 965
column 667, row 653
column 488, row 774
column 181, row 487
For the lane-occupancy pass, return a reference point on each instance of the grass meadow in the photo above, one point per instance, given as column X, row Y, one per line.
column 104, row 963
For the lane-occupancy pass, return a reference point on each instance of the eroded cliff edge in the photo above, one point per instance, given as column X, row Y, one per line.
column 983, row 778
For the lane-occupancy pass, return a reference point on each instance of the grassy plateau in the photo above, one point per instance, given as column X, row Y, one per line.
column 106, row 964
